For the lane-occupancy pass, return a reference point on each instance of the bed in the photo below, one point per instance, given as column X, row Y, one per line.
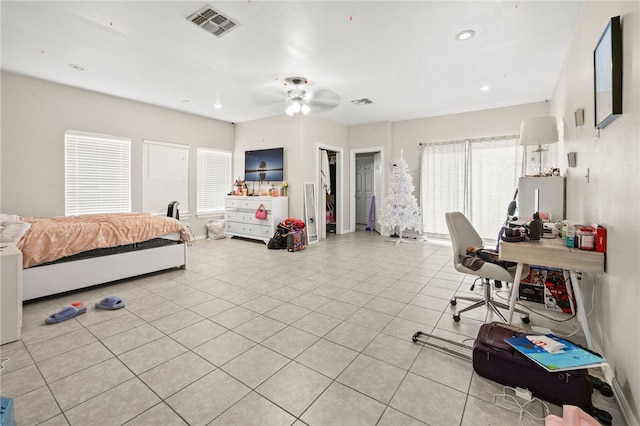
column 61, row 254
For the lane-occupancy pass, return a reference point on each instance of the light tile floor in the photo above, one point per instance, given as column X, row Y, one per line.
column 251, row 336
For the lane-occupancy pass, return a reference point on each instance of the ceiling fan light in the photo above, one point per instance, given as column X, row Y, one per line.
column 289, row 110
column 305, row 109
column 296, row 106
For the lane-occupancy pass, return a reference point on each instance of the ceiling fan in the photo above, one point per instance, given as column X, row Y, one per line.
column 300, row 97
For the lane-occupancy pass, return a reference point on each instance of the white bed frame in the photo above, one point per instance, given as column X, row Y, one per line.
column 46, row 280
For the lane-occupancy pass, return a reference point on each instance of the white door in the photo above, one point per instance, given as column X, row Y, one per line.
column 364, row 187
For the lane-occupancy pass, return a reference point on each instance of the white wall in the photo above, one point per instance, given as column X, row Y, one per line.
column 611, row 197
column 299, row 135
column 35, row 115
column 407, row 135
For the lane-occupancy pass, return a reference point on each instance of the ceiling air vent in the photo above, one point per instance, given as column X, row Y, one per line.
column 213, row 21
column 362, row 101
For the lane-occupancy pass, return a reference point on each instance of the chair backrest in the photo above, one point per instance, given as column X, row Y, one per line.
column 462, row 233
column 172, row 210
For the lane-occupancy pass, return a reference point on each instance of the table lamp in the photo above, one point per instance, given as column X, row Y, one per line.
column 539, row 131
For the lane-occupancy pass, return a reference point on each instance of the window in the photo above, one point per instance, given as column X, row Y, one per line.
column 97, row 173
column 476, row 177
column 165, row 176
column 214, row 180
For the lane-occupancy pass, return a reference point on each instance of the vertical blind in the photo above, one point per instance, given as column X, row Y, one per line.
column 165, row 176
column 214, row 180
column 97, row 173
column 476, row 177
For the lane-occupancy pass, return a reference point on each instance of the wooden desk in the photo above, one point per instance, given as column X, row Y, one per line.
column 551, row 252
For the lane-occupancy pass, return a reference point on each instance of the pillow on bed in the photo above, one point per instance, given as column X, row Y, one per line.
column 12, row 228
column 9, row 218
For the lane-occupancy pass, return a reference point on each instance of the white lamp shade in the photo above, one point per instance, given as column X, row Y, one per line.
column 539, row 131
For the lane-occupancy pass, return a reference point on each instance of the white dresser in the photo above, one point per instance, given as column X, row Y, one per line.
column 240, row 219
column 10, row 294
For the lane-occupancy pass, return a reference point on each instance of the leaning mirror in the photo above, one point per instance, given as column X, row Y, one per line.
column 310, row 212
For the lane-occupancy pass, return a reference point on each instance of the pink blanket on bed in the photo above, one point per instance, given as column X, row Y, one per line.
column 52, row 238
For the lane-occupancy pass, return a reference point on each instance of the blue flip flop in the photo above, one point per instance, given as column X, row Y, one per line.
column 66, row 312
column 110, row 302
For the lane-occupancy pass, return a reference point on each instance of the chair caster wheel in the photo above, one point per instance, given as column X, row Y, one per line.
column 453, row 302
column 456, row 318
column 525, row 319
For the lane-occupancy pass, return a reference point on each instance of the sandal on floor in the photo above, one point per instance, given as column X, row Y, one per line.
column 110, row 302
column 66, row 312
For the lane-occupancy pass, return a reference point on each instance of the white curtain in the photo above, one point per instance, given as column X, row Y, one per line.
column 476, row 177
column 442, row 184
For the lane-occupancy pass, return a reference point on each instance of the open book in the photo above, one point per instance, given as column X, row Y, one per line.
column 571, row 357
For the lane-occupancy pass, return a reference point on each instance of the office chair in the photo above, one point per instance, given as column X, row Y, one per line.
column 464, row 235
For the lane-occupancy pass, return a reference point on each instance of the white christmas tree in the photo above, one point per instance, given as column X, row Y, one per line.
column 400, row 207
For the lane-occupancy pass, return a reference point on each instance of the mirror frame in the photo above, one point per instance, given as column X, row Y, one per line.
column 310, row 212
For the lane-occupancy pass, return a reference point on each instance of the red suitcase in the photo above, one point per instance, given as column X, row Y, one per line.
column 495, row 359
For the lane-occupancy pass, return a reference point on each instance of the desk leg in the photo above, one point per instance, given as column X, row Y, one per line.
column 582, row 315
column 515, row 290
column 569, row 286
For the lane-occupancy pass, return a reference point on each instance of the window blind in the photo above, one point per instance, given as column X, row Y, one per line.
column 165, row 176
column 214, row 180
column 97, row 173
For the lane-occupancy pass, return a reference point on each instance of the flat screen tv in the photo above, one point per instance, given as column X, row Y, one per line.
column 607, row 63
column 264, row 165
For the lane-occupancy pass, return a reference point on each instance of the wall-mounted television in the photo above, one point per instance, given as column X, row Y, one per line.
column 607, row 64
column 264, row 165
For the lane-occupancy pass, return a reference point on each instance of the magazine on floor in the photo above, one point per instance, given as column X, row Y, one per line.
column 560, row 355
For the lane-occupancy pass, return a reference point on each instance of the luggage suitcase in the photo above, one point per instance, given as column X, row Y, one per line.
column 495, row 359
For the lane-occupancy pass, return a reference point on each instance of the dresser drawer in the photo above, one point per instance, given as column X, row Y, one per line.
column 246, row 229
column 253, row 204
column 251, row 218
column 233, row 202
column 236, row 216
column 263, row 231
column 238, row 227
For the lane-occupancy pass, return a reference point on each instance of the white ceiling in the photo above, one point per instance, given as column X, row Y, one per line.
column 401, row 55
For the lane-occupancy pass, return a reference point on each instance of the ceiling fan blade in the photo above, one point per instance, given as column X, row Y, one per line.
column 324, row 100
column 270, row 97
column 277, row 100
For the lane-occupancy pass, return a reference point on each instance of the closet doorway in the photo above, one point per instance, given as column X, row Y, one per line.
column 367, row 187
column 330, row 190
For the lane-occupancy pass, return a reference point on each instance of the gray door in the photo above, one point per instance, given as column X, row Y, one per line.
column 364, row 187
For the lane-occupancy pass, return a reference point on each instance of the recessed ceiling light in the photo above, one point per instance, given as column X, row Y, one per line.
column 77, row 67
column 485, row 88
column 465, row 35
